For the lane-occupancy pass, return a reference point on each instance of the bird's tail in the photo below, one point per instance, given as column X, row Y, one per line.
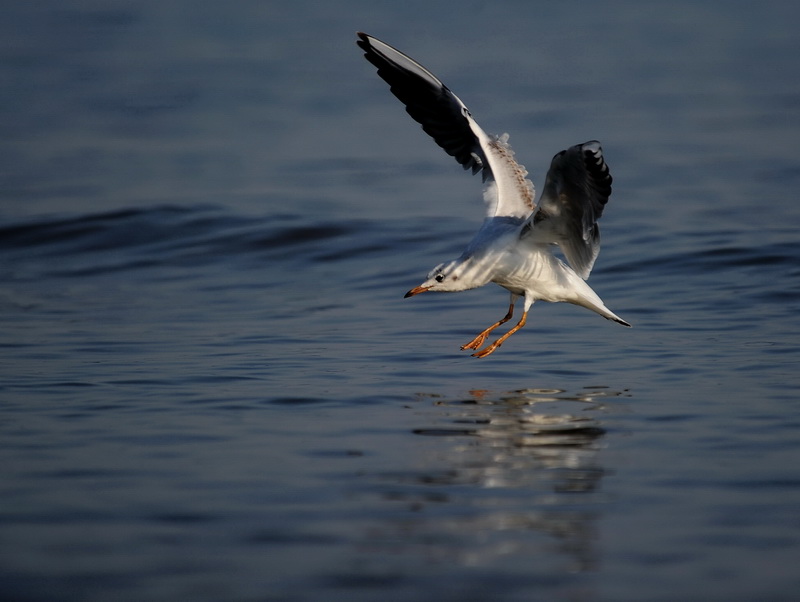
column 590, row 300
column 603, row 311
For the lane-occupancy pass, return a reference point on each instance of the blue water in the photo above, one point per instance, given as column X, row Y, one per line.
column 211, row 387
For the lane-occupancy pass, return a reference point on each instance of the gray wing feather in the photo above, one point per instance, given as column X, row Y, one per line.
column 576, row 190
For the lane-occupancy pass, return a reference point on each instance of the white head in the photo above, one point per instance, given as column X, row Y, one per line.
column 449, row 277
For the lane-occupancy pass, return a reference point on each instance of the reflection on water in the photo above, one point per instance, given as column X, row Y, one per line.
column 534, row 455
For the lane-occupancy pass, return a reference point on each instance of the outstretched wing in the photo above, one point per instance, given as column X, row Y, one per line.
column 448, row 121
column 575, row 193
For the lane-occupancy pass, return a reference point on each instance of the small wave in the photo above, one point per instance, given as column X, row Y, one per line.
column 97, row 232
column 135, row 239
column 711, row 260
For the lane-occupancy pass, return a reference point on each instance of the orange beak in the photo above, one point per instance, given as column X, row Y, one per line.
column 416, row 291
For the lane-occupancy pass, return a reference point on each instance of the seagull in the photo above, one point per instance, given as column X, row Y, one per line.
column 514, row 246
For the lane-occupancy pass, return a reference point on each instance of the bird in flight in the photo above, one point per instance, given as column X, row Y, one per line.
column 514, row 246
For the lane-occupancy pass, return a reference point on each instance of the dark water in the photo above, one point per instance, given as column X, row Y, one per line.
column 211, row 387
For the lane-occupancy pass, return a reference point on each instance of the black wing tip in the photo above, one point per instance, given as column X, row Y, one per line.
column 429, row 102
column 363, row 41
column 597, row 168
column 594, row 163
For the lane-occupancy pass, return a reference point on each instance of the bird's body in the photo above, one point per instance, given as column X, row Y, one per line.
column 513, row 248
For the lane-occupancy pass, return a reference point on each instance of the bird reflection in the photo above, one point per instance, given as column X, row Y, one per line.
column 521, row 477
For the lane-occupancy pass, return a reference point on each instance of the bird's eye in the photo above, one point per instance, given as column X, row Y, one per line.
column 439, row 277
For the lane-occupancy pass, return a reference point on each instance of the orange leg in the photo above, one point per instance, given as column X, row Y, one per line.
column 491, row 348
column 481, row 338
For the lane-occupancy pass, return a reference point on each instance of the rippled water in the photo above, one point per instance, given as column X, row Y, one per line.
column 211, row 387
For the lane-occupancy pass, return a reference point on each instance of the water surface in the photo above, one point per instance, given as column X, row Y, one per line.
column 211, row 386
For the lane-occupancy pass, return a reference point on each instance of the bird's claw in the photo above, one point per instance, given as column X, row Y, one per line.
column 474, row 343
column 486, row 351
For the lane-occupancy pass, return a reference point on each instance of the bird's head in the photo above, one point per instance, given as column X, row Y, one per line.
column 447, row 277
